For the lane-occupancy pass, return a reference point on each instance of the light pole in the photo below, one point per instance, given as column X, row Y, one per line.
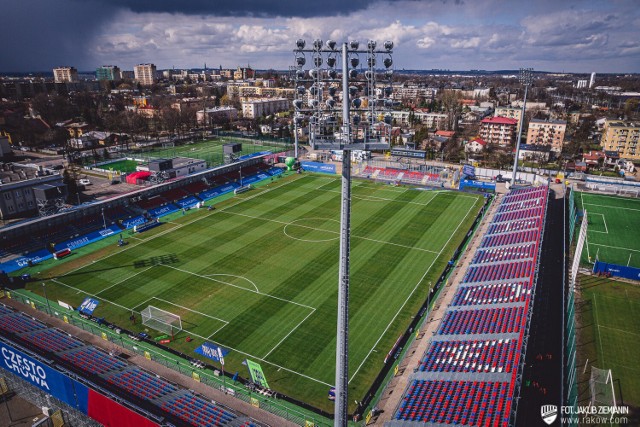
column 526, row 79
column 318, row 89
column 44, row 291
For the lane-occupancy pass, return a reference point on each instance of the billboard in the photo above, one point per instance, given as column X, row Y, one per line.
column 257, row 376
column 616, row 270
column 318, row 167
column 469, row 171
column 44, row 377
column 211, row 351
column 489, row 186
column 112, row 414
column 88, row 306
column 407, row 152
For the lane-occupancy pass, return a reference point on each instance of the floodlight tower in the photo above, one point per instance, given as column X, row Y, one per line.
column 356, row 127
column 525, row 78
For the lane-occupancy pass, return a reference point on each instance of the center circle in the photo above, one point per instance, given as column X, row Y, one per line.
column 313, row 229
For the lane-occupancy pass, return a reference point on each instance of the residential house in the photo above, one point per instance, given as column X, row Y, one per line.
column 475, row 146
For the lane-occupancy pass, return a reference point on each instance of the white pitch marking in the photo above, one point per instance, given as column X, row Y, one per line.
column 409, row 296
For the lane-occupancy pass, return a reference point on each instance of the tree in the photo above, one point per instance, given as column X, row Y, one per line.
column 632, row 108
column 452, row 105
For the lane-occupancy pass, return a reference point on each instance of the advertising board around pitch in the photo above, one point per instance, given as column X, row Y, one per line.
column 44, row 377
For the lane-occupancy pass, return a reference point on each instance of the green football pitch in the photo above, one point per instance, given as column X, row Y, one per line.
column 121, row 165
column 613, row 234
column 259, row 276
column 209, row 150
column 609, row 335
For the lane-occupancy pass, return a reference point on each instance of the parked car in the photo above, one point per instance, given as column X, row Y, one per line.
column 84, row 181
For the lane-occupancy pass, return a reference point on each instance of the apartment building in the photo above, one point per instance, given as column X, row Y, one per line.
column 110, row 73
column 145, row 74
column 412, row 91
column 622, row 137
column 65, row 74
column 431, row 120
column 547, row 132
column 255, row 108
column 500, row 131
column 244, row 73
column 211, row 115
column 509, row 112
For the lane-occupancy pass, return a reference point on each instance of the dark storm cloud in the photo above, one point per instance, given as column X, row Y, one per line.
column 259, row 8
column 39, row 33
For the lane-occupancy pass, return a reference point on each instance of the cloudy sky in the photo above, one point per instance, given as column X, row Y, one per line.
column 553, row 35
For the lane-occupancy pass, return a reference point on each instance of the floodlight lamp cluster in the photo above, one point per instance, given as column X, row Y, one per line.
column 526, row 76
column 366, row 89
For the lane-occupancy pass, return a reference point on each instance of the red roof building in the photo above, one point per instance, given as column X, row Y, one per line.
column 475, row 145
column 445, row 133
column 499, row 131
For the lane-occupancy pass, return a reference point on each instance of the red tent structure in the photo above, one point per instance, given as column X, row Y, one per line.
column 134, row 177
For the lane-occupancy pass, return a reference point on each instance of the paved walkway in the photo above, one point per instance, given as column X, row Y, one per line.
column 215, row 395
column 393, row 392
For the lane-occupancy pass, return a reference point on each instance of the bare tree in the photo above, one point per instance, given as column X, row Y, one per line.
column 452, row 105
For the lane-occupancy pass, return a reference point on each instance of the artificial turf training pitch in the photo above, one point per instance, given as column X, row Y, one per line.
column 259, row 276
column 613, row 234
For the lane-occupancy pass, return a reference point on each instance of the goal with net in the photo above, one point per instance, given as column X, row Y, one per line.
column 161, row 320
column 601, row 388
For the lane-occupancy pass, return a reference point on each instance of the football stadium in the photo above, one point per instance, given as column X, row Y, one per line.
column 211, row 300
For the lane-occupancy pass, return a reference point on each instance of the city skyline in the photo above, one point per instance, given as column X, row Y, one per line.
column 581, row 36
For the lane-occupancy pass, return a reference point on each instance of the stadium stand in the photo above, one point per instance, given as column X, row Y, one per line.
column 18, row 323
column 165, row 396
column 197, row 411
column 174, row 194
column 496, row 293
column 52, row 340
column 470, row 356
column 151, row 203
column 92, row 360
column 469, row 372
column 471, row 403
column 195, row 187
column 142, row 384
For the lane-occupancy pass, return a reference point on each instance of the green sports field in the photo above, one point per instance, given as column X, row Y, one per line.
column 209, row 150
column 609, row 335
column 122, row 165
column 259, row 276
column 613, row 234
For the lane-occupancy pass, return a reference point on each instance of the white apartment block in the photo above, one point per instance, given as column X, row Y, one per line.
column 210, row 115
column 255, row 108
column 248, row 91
column 547, row 132
column 145, row 74
column 412, row 91
column 65, row 74
column 431, row 120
